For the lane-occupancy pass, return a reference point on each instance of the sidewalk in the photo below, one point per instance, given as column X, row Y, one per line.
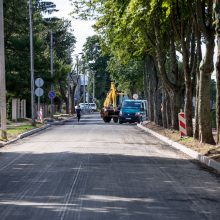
column 208, row 155
column 19, row 130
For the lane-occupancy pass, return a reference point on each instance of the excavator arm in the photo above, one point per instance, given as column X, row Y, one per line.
column 109, row 109
column 111, row 97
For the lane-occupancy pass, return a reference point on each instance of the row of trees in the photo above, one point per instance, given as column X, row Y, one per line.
column 167, row 37
column 17, row 49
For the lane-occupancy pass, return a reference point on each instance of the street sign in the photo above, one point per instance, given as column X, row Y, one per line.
column 39, row 92
column 39, row 82
column 51, row 94
column 135, row 96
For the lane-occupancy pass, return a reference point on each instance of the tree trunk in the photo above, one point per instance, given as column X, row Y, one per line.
column 199, row 58
column 175, row 101
column 204, row 110
column 157, row 108
column 73, row 100
column 218, row 90
column 188, row 108
column 196, row 125
column 188, row 89
column 168, row 110
column 173, row 88
column 67, row 105
column 164, row 110
column 151, row 81
column 63, row 94
column 217, row 29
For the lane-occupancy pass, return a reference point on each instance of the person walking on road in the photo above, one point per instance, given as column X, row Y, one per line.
column 78, row 112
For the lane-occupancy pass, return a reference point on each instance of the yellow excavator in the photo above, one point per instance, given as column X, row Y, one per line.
column 110, row 109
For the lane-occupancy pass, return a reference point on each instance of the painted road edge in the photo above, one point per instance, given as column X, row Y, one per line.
column 195, row 155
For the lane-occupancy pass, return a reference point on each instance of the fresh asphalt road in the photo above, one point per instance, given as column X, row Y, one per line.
column 97, row 171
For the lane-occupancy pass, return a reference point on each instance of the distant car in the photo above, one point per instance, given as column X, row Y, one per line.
column 93, row 106
column 88, row 106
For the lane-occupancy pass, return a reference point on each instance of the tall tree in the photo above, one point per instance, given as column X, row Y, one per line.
column 97, row 64
column 205, row 23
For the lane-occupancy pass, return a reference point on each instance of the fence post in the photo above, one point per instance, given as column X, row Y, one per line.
column 14, row 109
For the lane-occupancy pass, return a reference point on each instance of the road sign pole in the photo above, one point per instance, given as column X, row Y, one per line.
column 39, row 92
column 38, row 107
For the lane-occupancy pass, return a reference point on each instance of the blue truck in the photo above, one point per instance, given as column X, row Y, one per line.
column 133, row 111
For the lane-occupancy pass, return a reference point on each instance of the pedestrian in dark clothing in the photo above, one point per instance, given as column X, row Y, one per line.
column 78, row 112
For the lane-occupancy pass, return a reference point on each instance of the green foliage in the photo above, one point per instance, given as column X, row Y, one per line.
column 17, row 48
column 128, row 77
column 97, row 64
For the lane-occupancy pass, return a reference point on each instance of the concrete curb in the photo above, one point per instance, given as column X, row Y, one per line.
column 195, row 155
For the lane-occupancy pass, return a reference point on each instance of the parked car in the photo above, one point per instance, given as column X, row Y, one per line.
column 133, row 111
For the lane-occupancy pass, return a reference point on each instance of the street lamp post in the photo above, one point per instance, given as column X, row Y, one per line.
column 51, row 70
column 32, row 64
column 93, row 80
column 2, row 76
column 84, row 88
column 93, row 89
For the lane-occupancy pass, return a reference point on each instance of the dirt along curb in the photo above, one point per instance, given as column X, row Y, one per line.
column 195, row 155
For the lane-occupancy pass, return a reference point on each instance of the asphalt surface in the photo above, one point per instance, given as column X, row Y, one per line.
column 97, row 171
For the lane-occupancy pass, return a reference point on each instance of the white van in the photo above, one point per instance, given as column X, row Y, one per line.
column 92, row 106
column 88, row 106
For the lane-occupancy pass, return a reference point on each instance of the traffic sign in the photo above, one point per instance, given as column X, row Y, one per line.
column 39, row 82
column 135, row 96
column 39, row 92
column 51, row 94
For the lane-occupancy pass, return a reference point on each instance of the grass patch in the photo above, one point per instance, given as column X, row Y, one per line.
column 19, row 129
column 14, row 130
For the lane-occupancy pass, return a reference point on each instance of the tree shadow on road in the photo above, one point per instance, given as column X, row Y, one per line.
column 87, row 186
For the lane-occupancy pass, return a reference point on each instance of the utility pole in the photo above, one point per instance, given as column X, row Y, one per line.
column 32, row 63
column 51, row 70
column 2, row 76
column 69, row 94
column 84, row 88
column 93, row 94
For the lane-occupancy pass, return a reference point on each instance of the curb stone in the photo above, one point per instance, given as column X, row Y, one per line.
column 195, row 155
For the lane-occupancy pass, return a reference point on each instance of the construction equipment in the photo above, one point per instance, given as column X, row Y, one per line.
column 111, row 108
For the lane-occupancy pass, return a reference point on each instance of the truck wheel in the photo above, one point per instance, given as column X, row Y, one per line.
column 108, row 119
column 104, row 119
column 140, row 120
column 115, row 119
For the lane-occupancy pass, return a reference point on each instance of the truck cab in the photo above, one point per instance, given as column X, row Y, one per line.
column 133, row 111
